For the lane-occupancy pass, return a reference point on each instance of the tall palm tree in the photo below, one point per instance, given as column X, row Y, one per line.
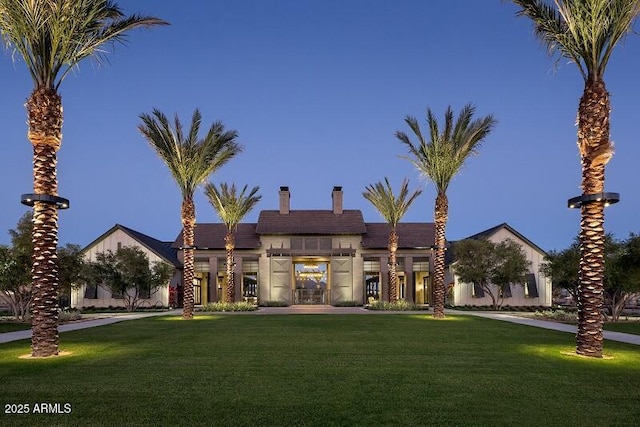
column 439, row 159
column 231, row 208
column 586, row 32
column 190, row 160
column 392, row 209
column 53, row 37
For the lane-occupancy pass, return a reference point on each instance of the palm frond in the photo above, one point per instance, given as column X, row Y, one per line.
column 230, row 206
column 189, row 159
column 584, row 32
column 391, row 208
column 53, row 36
column 440, row 158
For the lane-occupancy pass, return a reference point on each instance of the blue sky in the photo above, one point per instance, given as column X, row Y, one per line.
column 316, row 90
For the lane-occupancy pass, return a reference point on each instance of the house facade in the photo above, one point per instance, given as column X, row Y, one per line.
column 312, row 257
column 536, row 291
column 302, row 257
column 96, row 295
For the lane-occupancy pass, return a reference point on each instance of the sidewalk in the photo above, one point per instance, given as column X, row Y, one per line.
column 104, row 319
column 325, row 309
column 546, row 324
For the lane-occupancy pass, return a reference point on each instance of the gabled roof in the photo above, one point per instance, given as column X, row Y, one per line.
column 410, row 235
column 311, row 222
column 493, row 230
column 211, row 236
column 162, row 249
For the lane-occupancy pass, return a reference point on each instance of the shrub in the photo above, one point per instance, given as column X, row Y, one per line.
column 274, row 304
column 400, row 305
column 345, row 304
column 558, row 315
column 229, row 306
column 68, row 315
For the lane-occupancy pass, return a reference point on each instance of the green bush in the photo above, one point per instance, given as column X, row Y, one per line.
column 345, row 304
column 229, row 306
column 558, row 315
column 274, row 304
column 69, row 315
column 400, row 305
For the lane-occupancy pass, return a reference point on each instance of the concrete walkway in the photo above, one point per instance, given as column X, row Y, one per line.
column 107, row 319
column 89, row 321
column 547, row 324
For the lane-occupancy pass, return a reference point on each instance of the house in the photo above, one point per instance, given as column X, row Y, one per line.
column 322, row 256
column 94, row 295
column 312, row 257
column 536, row 291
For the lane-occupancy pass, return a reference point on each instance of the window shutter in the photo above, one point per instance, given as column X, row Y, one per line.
column 477, row 291
column 532, row 287
column 506, row 291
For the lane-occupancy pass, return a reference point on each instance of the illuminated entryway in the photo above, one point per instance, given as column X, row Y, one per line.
column 311, row 283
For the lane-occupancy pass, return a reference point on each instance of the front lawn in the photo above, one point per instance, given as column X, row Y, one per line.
column 12, row 326
column 292, row 370
column 628, row 327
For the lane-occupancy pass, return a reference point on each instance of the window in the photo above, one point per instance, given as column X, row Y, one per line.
column 477, row 291
column 116, row 293
column 310, row 243
column 91, row 291
column 144, row 293
column 250, row 285
column 371, row 285
column 505, row 291
column 531, row 287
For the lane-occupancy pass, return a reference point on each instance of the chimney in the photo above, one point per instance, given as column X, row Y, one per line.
column 285, row 197
column 336, row 196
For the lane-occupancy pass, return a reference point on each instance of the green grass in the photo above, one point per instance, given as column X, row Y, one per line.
column 295, row 370
column 11, row 326
column 630, row 327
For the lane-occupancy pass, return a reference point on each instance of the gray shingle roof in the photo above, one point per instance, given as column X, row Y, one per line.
column 318, row 222
column 410, row 235
column 211, row 236
column 164, row 250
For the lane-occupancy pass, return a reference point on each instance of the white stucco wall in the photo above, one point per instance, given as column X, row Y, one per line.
column 110, row 242
column 463, row 292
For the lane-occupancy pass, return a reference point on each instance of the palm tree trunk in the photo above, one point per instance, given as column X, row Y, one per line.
column 229, row 245
column 595, row 150
column 188, row 214
column 393, row 267
column 44, row 110
column 439, row 291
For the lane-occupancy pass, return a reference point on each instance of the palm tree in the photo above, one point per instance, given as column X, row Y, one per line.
column 586, row 32
column 231, row 208
column 53, row 37
column 190, row 160
column 439, row 159
column 392, row 210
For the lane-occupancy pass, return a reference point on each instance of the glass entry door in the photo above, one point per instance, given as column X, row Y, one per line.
column 311, row 285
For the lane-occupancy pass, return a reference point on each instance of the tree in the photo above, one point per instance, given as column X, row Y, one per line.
column 71, row 264
column 621, row 274
column 231, row 208
column 627, row 277
column 439, row 159
column 15, row 268
column 15, row 286
column 53, row 37
column 392, row 209
column 128, row 274
column 562, row 266
column 585, row 32
column 491, row 267
column 190, row 160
